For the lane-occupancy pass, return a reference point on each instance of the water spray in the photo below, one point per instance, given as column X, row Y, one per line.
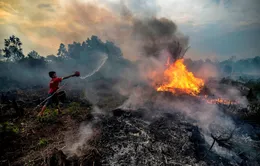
column 103, row 60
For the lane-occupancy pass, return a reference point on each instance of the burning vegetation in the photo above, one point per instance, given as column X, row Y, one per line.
column 177, row 79
column 221, row 101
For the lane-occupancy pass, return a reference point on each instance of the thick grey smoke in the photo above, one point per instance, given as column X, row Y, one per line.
column 159, row 34
column 152, row 34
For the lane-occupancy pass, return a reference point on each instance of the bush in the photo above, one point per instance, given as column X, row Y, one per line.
column 8, row 127
column 49, row 116
column 42, row 142
column 74, row 109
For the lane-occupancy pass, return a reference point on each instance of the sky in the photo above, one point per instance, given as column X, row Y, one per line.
column 217, row 29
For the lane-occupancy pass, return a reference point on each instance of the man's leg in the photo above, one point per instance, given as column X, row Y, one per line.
column 42, row 110
column 48, row 102
column 56, row 102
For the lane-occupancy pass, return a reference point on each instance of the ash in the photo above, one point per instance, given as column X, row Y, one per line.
column 128, row 139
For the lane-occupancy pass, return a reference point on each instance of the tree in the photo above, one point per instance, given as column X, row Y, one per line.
column 228, row 69
column 1, row 54
column 33, row 54
column 13, row 50
column 62, row 51
column 208, row 61
column 33, row 60
column 74, row 50
column 51, row 58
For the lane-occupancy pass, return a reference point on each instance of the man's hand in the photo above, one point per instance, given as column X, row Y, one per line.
column 77, row 74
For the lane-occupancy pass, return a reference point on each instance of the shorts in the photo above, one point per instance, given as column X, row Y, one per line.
column 51, row 100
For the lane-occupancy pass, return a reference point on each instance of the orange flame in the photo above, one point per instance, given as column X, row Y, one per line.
column 178, row 79
column 220, row 101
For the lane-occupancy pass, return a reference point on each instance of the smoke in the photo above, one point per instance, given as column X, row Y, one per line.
column 78, row 144
column 207, row 71
column 152, row 34
column 78, row 147
column 100, row 64
column 232, row 93
column 132, row 25
column 140, row 8
column 157, row 35
column 136, row 100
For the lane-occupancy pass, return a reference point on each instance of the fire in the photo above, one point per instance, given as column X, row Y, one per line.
column 177, row 79
column 220, row 101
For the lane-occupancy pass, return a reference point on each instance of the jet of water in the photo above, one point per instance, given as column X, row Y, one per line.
column 102, row 62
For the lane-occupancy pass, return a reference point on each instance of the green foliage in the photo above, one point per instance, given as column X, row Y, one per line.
column 228, row 69
column 9, row 127
column 13, row 49
column 49, row 116
column 1, row 54
column 90, row 46
column 34, row 55
column 33, row 62
column 62, row 51
column 74, row 109
column 42, row 142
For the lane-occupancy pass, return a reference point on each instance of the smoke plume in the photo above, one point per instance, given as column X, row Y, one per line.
column 132, row 25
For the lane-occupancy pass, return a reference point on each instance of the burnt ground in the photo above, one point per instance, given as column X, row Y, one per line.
column 117, row 136
column 165, row 140
column 27, row 138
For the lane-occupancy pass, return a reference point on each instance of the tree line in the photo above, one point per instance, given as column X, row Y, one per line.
column 18, row 69
column 84, row 54
column 13, row 52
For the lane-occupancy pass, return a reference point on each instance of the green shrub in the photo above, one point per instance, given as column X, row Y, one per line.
column 49, row 116
column 42, row 142
column 9, row 127
column 74, row 109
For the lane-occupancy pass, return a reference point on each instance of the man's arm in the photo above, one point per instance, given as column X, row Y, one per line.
column 63, row 78
column 76, row 74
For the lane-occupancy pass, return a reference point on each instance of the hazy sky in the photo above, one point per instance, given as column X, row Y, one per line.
column 217, row 28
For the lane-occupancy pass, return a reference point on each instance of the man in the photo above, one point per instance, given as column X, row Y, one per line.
column 54, row 86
